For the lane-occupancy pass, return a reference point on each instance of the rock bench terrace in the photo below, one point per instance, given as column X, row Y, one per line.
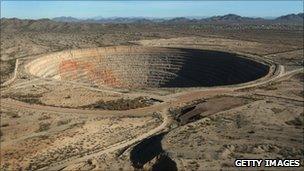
column 147, row 67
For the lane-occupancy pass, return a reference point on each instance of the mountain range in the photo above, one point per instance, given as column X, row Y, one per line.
column 62, row 24
column 229, row 18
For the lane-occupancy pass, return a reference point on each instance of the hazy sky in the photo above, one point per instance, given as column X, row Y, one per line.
column 87, row 9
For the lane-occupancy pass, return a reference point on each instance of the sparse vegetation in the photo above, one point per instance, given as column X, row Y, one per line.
column 78, row 124
column 13, row 114
column 270, row 88
column 277, row 110
column 60, row 137
column 121, row 104
column 44, row 117
column 297, row 121
column 63, row 122
column 240, row 121
column 27, row 98
column 299, row 77
column 43, row 126
column 4, row 125
column 6, row 69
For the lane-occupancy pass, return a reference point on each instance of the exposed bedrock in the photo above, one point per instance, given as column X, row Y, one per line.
column 144, row 67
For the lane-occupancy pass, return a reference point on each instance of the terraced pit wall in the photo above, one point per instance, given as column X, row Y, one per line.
column 144, row 67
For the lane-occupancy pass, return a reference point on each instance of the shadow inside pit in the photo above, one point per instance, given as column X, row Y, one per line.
column 147, row 150
column 203, row 68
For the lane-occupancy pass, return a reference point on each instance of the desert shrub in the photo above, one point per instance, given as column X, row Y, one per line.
column 44, row 117
column 270, row 88
column 31, row 100
column 63, row 122
column 297, row 121
column 79, row 124
column 276, row 110
column 43, row 126
column 4, row 125
column 13, row 114
column 27, row 98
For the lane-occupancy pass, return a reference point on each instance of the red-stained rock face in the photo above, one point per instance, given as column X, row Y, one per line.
column 68, row 66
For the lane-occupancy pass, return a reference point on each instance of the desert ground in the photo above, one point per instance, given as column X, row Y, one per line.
column 129, row 96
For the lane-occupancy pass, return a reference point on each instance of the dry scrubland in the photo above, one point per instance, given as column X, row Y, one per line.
column 63, row 123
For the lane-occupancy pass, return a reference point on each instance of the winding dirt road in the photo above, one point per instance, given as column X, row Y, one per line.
column 166, row 122
column 173, row 101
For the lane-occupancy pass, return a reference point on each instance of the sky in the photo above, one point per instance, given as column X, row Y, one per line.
column 158, row 9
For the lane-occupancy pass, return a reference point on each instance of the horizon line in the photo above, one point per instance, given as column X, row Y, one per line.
column 148, row 17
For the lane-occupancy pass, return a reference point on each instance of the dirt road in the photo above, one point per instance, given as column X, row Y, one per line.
column 173, row 101
column 166, row 122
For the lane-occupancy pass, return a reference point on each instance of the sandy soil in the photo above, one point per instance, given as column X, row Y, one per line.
column 42, row 126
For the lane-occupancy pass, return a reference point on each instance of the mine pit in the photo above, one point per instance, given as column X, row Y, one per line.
column 147, row 67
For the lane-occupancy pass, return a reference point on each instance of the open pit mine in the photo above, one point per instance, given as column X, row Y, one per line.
column 147, row 67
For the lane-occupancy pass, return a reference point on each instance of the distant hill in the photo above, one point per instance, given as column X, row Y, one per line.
column 291, row 18
column 180, row 20
column 233, row 18
column 224, row 19
column 229, row 18
column 66, row 19
column 63, row 24
column 14, row 24
column 104, row 20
